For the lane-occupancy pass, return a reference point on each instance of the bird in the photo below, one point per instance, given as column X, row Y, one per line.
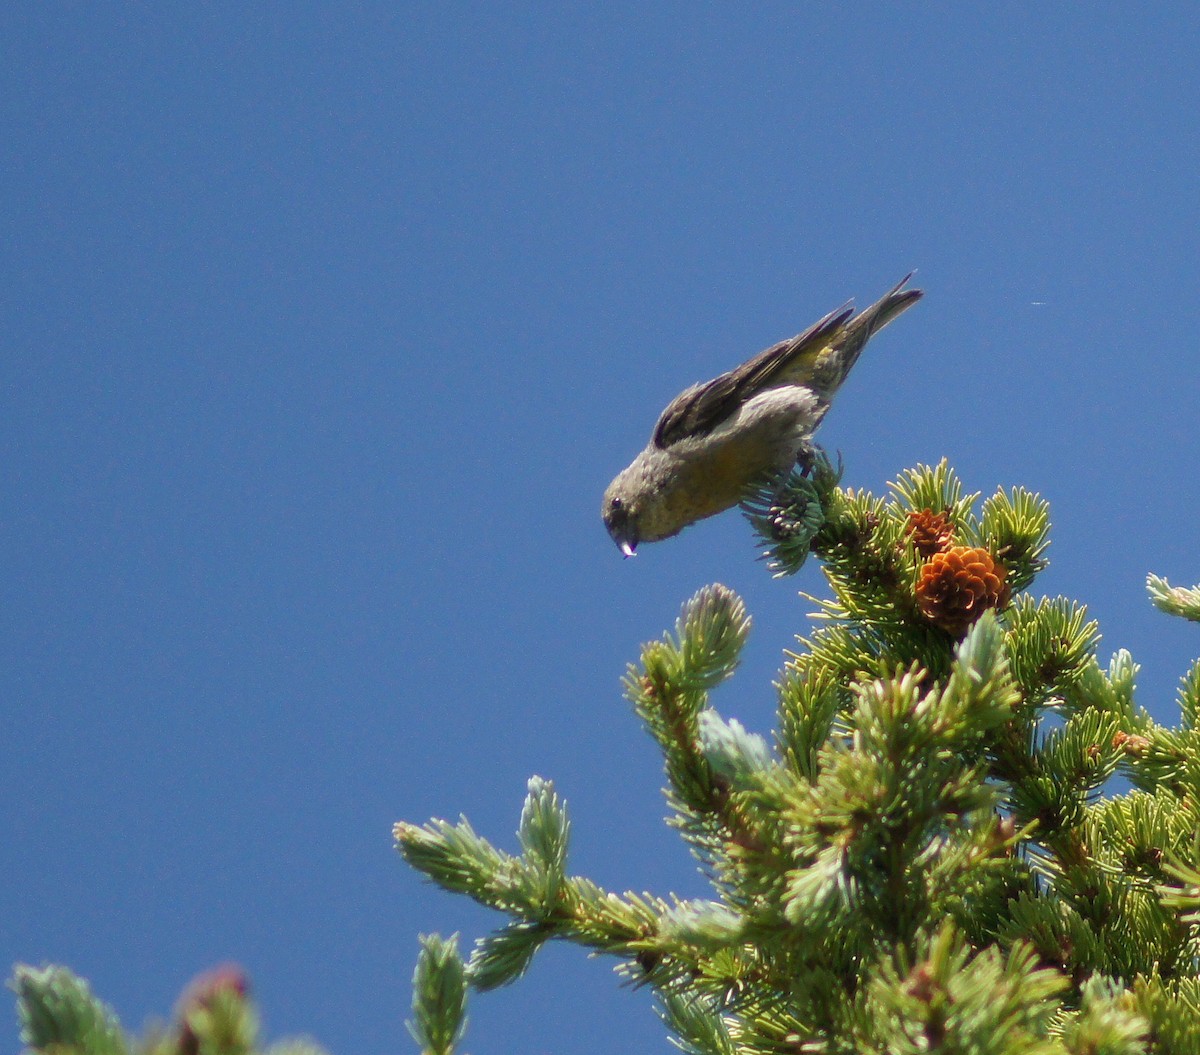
column 717, row 441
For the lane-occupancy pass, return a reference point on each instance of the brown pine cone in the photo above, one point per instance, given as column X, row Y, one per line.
column 929, row 532
column 958, row 585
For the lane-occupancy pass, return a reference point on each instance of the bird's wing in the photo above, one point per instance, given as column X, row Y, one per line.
column 702, row 408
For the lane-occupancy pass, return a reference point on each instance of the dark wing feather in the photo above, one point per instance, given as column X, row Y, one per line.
column 702, row 408
column 864, row 326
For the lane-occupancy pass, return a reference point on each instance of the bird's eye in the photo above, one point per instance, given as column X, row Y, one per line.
column 615, row 504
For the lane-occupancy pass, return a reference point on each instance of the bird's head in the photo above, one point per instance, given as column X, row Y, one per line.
column 641, row 504
column 620, row 513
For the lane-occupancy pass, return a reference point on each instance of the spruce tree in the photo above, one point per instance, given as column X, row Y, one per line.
column 963, row 837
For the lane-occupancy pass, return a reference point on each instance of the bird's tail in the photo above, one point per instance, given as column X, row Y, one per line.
column 860, row 329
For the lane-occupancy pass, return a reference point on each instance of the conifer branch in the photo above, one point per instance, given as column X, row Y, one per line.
column 787, row 512
column 439, row 1001
column 1174, row 600
column 930, row 853
column 932, row 860
column 58, row 1012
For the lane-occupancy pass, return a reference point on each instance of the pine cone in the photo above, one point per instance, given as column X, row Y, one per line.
column 929, row 532
column 956, row 586
column 1134, row 745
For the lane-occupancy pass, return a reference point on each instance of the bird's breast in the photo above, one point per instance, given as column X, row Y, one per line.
column 716, row 477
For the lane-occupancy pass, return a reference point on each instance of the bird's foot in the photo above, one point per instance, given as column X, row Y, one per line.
column 807, row 456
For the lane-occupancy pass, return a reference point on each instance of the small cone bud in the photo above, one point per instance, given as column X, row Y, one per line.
column 199, row 995
column 929, row 532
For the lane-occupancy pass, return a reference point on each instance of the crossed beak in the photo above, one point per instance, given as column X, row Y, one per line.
column 628, row 548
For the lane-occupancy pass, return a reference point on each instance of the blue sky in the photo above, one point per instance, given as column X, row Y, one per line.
column 326, row 326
